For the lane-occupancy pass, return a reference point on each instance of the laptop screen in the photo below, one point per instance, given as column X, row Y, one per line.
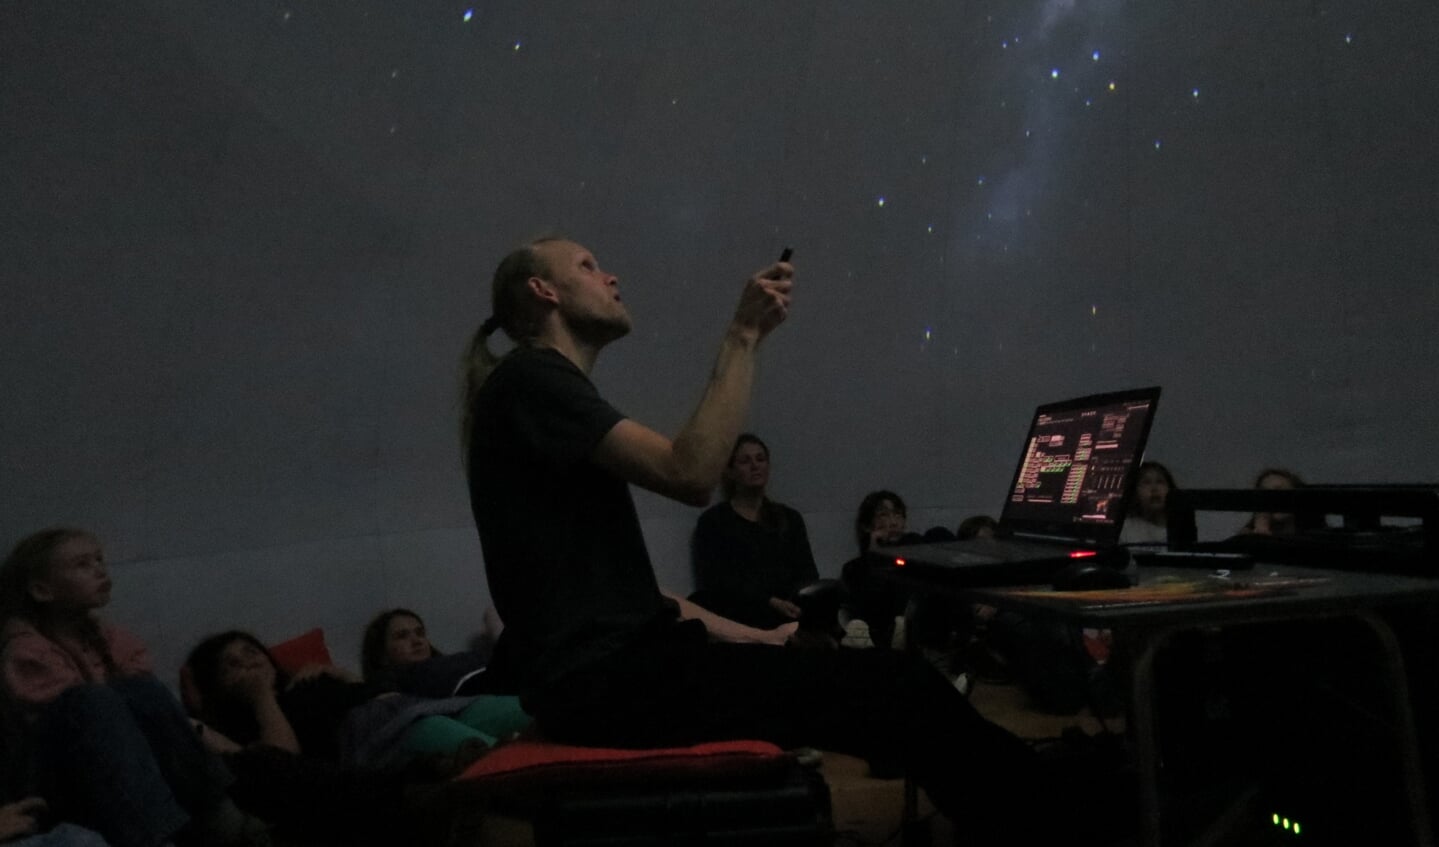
column 1078, row 461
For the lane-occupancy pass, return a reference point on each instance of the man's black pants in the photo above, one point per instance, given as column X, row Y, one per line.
column 680, row 689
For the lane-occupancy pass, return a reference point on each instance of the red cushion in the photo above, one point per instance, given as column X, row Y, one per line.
column 522, row 771
column 307, row 648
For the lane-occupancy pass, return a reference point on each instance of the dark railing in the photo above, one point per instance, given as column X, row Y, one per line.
column 1362, row 540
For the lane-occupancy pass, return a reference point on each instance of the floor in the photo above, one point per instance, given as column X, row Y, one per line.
column 868, row 812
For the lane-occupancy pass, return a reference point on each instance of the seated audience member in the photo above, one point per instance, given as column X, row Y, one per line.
column 394, row 639
column 932, row 621
column 1148, row 518
column 1272, row 523
column 977, row 526
column 397, row 655
column 751, row 554
column 936, row 535
column 325, row 713
column 882, row 521
column 290, row 773
column 94, row 716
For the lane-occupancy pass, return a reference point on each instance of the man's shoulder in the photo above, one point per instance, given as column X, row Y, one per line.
column 538, row 402
column 531, row 367
column 540, row 358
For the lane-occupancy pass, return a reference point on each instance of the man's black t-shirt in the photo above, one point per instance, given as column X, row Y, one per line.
column 564, row 554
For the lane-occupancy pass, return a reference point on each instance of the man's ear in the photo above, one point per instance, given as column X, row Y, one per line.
column 40, row 591
column 543, row 289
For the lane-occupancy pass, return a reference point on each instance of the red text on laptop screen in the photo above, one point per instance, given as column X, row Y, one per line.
column 1075, row 463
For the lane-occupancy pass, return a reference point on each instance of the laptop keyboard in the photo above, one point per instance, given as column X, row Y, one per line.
column 984, row 551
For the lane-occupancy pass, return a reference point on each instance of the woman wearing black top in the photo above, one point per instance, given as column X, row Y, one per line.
column 751, row 554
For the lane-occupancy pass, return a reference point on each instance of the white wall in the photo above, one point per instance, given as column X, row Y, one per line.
column 241, row 248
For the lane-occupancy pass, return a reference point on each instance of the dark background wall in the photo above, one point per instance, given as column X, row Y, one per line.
column 242, row 245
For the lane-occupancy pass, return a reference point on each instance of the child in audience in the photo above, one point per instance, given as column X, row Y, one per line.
column 881, row 521
column 932, row 621
column 112, row 747
column 325, row 713
column 1148, row 518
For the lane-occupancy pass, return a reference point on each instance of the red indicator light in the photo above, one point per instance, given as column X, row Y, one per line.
column 1082, row 554
column 899, row 563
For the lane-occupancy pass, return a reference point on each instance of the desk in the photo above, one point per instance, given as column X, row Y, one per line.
column 1167, row 601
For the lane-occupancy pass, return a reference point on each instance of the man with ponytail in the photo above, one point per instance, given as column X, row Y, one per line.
column 601, row 654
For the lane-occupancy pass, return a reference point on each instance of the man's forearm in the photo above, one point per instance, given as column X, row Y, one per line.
column 703, row 446
column 724, row 629
column 688, row 466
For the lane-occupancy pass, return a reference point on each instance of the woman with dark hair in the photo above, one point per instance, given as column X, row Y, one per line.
column 394, row 638
column 397, row 655
column 1148, row 518
column 751, row 554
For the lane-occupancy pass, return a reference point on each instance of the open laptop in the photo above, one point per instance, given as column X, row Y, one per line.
column 1067, row 500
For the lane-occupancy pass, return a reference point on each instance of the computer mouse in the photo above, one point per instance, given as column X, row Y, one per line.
column 1086, row 576
column 819, row 604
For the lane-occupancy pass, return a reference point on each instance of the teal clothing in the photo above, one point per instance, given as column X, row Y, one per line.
column 490, row 719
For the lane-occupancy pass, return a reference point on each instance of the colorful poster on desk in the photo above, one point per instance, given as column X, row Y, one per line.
column 1177, row 591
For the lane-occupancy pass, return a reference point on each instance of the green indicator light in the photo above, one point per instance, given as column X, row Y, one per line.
column 1276, row 819
column 1286, row 823
column 1296, row 827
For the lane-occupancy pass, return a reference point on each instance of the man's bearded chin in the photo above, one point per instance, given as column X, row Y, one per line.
column 600, row 331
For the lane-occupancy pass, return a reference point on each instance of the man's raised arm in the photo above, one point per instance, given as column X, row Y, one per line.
column 688, row 467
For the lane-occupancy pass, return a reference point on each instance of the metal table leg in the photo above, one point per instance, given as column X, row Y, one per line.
column 1405, row 733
